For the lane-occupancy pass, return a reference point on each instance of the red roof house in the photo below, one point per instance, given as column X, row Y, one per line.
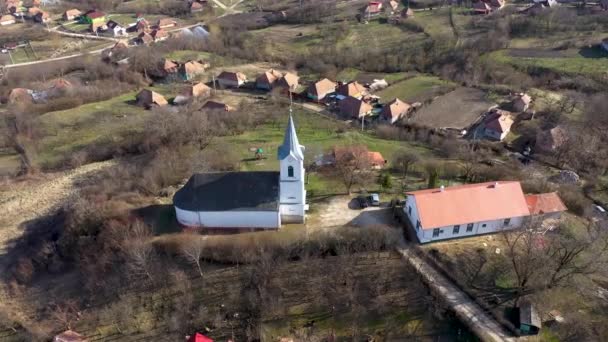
column 198, row 337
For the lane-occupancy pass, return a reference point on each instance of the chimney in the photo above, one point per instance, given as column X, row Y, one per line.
column 442, row 188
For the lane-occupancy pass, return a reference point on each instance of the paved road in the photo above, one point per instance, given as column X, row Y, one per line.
column 469, row 312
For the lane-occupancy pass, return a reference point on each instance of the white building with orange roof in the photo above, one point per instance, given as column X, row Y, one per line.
column 473, row 209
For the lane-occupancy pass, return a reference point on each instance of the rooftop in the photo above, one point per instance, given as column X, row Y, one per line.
column 470, row 203
column 230, row 191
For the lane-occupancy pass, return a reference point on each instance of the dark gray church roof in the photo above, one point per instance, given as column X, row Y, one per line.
column 230, row 191
column 291, row 145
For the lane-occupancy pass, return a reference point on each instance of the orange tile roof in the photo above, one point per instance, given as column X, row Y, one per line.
column 376, row 158
column 545, row 203
column 470, row 203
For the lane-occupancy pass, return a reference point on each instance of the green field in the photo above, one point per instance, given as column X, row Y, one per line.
column 568, row 62
column 416, row 89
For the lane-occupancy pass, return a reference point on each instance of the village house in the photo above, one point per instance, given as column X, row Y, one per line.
column 144, row 38
column 159, row 35
column 142, row 25
column 229, row 79
column 407, row 13
column 116, row 29
column 94, row 18
column 497, row 124
column 42, row 17
column 372, row 9
column 392, row 6
column 191, row 69
column 267, row 80
column 354, row 108
column 69, row 336
column 7, row 19
column 31, row 12
column 354, row 89
column 254, row 199
column 394, row 110
column 547, row 205
column 198, row 337
column 191, row 91
column 71, row 14
column 481, row 7
column 550, row 140
column 148, row 99
column 521, row 102
column 289, row 81
column 116, row 52
column 164, row 23
column 375, row 159
column 318, row 90
column 20, row 95
column 195, row 7
column 16, row 8
column 214, row 105
column 473, row 209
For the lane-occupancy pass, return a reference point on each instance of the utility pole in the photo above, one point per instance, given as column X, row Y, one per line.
column 363, row 123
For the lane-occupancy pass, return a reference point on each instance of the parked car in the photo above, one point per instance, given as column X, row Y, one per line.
column 374, row 199
column 362, row 200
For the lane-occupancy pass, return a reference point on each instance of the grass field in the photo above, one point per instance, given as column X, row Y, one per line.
column 416, row 89
column 573, row 62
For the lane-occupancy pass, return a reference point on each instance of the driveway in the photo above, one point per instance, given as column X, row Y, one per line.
column 343, row 211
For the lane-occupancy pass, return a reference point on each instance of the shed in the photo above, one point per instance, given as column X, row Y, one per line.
column 529, row 320
column 198, row 337
column 148, row 98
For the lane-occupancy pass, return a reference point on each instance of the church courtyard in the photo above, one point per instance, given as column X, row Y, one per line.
column 339, row 211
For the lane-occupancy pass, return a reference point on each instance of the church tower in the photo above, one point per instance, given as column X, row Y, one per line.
column 292, row 193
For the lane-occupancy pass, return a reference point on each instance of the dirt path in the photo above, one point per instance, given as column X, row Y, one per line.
column 28, row 200
column 469, row 312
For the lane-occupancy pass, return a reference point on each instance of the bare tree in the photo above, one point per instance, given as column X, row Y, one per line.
column 405, row 160
column 20, row 134
column 140, row 254
column 192, row 249
column 65, row 314
column 352, row 165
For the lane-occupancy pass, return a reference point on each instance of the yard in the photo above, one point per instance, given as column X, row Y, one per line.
column 457, row 109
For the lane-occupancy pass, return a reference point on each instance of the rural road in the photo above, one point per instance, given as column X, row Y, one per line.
column 83, row 36
column 470, row 313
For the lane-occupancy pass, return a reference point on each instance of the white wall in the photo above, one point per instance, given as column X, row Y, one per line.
column 229, row 219
column 484, row 227
column 292, row 188
column 229, row 83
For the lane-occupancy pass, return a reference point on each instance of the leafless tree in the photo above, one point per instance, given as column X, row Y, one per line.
column 405, row 160
column 140, row 254
column 20, row 134
column 65, row 314
column 192, row 249
column 352, row 165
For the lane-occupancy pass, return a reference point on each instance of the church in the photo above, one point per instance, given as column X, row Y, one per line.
column 255, row 199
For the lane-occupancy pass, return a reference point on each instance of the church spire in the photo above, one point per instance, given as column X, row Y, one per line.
column 290, row 142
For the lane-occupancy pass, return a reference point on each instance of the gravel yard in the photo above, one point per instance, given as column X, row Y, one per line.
column 343, row 211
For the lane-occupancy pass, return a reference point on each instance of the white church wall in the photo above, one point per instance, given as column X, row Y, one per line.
column 229, row 219
column 292, row 192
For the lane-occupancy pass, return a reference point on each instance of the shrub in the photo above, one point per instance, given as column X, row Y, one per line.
column 573, row 198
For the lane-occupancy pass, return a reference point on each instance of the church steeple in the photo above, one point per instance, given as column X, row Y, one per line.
column 290, row 146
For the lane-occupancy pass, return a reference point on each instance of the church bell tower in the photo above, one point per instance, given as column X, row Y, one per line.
column 292, row 193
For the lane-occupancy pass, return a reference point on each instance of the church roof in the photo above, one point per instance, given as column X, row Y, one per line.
column 291, row 145
column 230, row 191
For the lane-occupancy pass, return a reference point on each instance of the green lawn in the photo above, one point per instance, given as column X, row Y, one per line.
column 569, row 62
column 436, row 23
column 416, row 89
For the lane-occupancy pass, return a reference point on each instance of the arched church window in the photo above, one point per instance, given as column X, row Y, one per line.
column 290, row 171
